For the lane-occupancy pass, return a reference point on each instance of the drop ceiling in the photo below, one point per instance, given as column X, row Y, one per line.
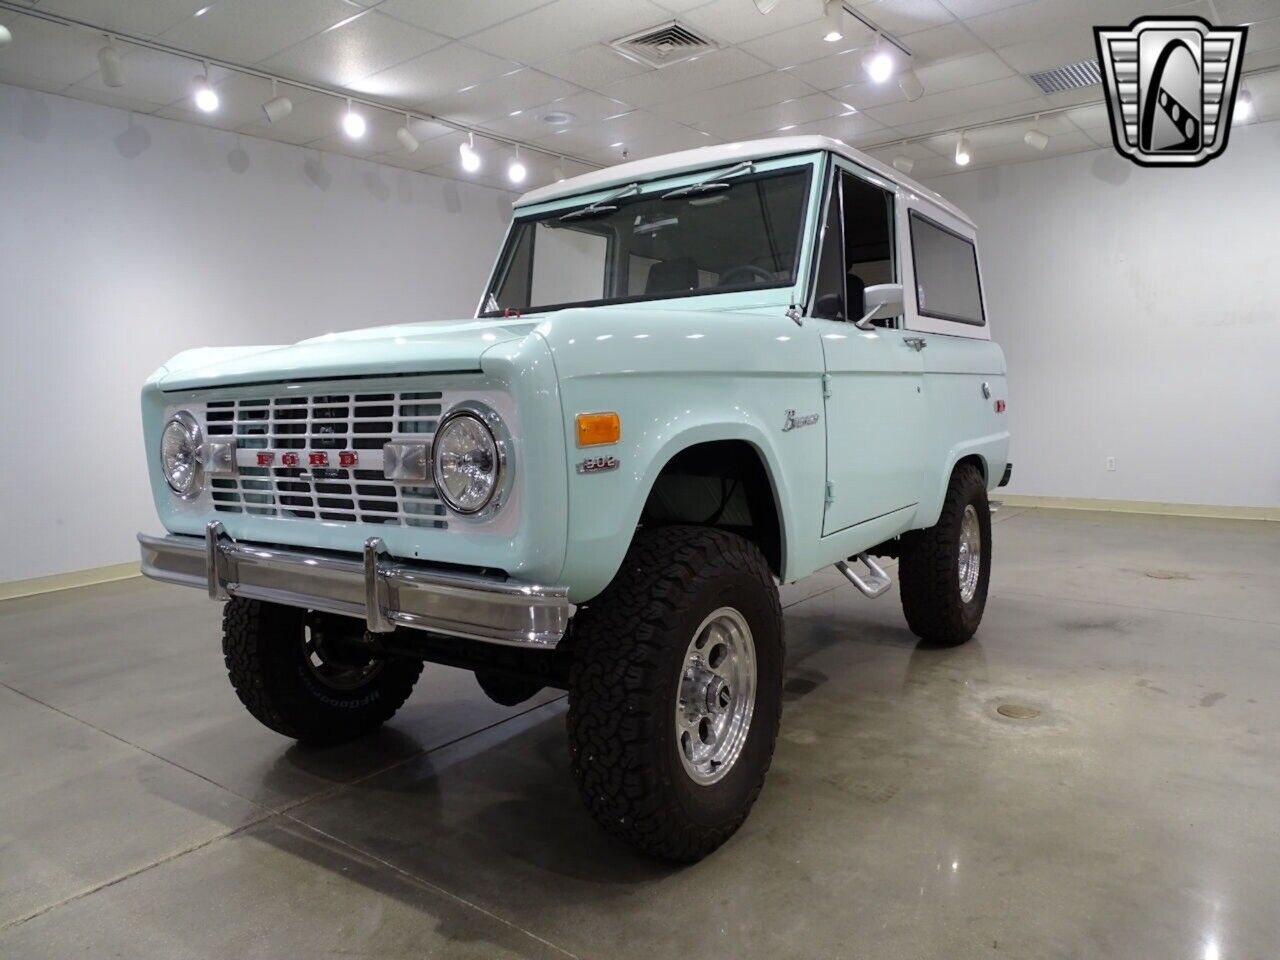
column 502, row 66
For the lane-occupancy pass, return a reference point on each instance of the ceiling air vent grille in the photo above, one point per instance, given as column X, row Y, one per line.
column 1070, row 76
column 663, row 45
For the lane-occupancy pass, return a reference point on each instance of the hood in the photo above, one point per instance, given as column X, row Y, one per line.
column 435, row 347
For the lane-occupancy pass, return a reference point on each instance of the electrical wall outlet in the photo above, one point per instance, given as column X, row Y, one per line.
column 1111, row 463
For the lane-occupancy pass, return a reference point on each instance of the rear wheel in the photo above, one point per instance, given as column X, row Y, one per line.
column 675, row 693
column 944, row 570
column 311, row 676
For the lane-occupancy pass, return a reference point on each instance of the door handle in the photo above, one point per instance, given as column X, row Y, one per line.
column 916, row 343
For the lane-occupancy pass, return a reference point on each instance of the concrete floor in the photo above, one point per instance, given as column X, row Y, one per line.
column 143, row 813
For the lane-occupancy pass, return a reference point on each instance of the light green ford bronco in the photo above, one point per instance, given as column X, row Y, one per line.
column 691, row 379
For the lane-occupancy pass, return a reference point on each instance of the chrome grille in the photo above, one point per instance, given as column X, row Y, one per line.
column 362, row 422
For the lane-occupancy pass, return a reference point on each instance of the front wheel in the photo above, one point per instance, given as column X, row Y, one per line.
column 675, row 693
column 311, row 677
column 944, row 570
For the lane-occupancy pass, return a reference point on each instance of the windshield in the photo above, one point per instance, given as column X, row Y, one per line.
column 739, row 233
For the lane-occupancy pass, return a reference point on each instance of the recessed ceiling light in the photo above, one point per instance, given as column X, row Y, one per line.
column 203, row 10
column 558, row 118
column 515, row 113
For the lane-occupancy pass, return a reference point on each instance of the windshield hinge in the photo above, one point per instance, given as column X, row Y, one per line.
column 793, row 313
column 826, row 386
column 831, row 494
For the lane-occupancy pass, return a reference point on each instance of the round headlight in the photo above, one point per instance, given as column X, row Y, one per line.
column 466, row 462
column 180, row 453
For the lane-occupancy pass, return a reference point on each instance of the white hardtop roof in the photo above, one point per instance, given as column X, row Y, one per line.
column 702, row 157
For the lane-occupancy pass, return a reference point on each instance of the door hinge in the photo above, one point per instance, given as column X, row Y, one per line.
column 831, row 494
column 826, row 386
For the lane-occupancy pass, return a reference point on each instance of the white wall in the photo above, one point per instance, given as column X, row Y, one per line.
column 1139, row 311
column 126, row 239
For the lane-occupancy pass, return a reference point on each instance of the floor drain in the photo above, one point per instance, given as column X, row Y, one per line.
column 1016, row 711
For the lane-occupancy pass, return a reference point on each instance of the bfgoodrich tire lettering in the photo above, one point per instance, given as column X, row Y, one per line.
column 265, row 649
column 931, row 570
column 630, row 647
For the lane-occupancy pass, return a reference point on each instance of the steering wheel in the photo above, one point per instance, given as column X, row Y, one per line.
column 749, row 269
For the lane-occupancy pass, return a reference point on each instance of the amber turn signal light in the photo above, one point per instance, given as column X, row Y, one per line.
column 598, row 428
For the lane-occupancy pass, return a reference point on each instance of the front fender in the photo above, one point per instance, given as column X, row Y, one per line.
column 674, row 385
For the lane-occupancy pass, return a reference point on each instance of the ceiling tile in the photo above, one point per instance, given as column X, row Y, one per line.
column 141, row 18
column 972, row 8
column 562, row 26
column 916, row 151
column 934, row 105
column 585, row 108
column 679, row 79
column 732, row 98
column 641, row 133
column 353, row 50
column 53, row 54
column 1053, row 18
column 1014, row 150
column 941, row 43
column 454, row 18
column 112, row 97
column 1265, row 90
column 1246, row 11
column 1032, row 56
column 246, row 31
column 1264, row 35
column 737, row 21
column 681, row 6
column 1091, row 117
column 971, row 118
column 592, row 67
column 962, row 72
column 838, row 70
column 863, row 96
column 847, row 127
column 433, row 75
column 905, row 16
column 771, row 120
column 805, row 43
column 498, row 97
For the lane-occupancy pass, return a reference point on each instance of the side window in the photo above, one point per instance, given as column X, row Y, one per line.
column 868, row 241
column 828, row 294
column 946, row 266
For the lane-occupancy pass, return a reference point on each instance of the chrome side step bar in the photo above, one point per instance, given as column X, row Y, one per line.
column 874, row 583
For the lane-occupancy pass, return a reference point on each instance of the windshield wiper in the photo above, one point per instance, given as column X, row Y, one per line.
column 712, row 183
column 602, row 205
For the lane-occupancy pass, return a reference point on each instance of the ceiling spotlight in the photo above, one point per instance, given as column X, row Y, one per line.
column 352, row 123
column 911, row 86
column 110, row 64
column 1035, row 138
column 517, row 171
column 766, row 6
column 406, row 137
column 205, row 96
column 903, row 164
column 467, row 150
column 278, row 107
column 878, row 63
column 962, row 151
column 5, row 35
column 1244, row 106
column 833, row 21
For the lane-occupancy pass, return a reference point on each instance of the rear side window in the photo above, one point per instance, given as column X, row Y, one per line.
column 946, row 267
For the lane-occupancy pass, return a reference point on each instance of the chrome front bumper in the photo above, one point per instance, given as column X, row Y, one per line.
column 385, row 593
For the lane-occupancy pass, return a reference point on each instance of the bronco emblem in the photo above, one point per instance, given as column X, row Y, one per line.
column 793, row 421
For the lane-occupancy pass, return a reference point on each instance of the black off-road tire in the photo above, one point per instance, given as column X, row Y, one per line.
column 928, row 569
column 629, row 648
column 263, row 646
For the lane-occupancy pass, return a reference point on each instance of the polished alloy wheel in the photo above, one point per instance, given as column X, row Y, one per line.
column 970, row 564
column 717, row 696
